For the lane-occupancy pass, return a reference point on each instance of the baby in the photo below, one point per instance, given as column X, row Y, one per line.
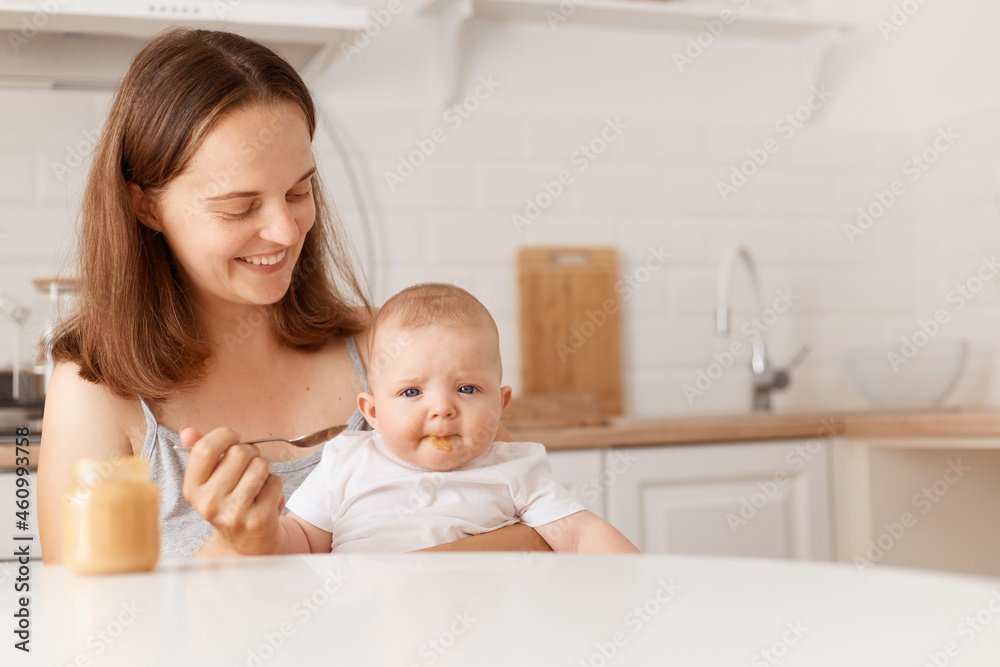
column 432, row 472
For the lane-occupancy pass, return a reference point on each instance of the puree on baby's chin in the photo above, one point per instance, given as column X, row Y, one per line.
column 444, row 444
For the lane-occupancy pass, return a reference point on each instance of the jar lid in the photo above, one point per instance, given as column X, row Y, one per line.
column 92, row 472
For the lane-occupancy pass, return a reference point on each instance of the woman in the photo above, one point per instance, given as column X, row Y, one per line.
column 214, row 292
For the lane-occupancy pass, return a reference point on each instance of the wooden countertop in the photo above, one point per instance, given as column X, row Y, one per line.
column 954, row 423
column 8, row 457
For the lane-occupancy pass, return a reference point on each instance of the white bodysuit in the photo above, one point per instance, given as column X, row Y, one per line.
column 370, row 500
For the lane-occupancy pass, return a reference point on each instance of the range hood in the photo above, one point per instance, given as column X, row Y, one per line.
column 89, row 43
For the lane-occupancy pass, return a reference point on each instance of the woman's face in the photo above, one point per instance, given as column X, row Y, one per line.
column 236, row 218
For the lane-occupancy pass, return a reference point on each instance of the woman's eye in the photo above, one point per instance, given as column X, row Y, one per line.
column 238, row 216
column 298, row 197
column 467, row 389
column 410, row 393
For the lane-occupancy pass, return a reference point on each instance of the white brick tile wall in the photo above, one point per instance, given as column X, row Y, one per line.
column 557, row 138
column 497, row 289
column 686, row 241
column 874, row 290
column 696, row 191
column 824, row 241
column 645, row 299
column 18, row 183
column 469, row 240
column 507, row 187
column 482, row 135
column 727, row 144
column 403, row 236
column 54, row 119
column 656, row 185
column 630, row 190
column 768, row 242
column 970, row 182
column 824, row 150
column 662, row 142
column 792, row 193
column 649, row 392
column 691, row 292
column 570, row 230
column 378, row 130
column 666, row 342
column 730, row 393
column 60, row 173
column 438, row 183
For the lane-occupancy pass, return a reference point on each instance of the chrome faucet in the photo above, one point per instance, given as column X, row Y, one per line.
column 765, row 378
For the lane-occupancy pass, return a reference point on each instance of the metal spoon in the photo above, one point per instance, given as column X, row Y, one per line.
column 302, row 441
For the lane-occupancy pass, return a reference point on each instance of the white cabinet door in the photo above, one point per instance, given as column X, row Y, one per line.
column 8, row 519
column 579, row 470
column 750, row 499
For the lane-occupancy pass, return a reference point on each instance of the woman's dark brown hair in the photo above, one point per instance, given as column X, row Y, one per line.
column 134, row 330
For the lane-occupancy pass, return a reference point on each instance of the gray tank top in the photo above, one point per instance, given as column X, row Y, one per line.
column 182, row 530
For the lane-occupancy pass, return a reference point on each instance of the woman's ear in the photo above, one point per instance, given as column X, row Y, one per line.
column 366, row 403
column 142, row 205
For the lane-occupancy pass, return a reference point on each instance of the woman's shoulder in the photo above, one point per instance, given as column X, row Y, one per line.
column 74, row 405
column 365, row 315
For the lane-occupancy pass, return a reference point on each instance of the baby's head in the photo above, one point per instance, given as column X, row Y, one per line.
column 434, row 371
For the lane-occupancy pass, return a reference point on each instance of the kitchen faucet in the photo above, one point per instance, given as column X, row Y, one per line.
column 765, row 378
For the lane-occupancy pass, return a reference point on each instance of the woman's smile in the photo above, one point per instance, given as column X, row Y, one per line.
column 264, row 264
column 264, row 259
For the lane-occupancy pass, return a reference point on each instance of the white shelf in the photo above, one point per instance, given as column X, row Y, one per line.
column 648, row 15
column 816, row 34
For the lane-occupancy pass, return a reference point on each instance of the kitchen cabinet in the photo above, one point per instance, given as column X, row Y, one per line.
column 8, row 520
column 766, row 499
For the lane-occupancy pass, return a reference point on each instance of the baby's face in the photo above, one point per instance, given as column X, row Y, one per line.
column 437, row 397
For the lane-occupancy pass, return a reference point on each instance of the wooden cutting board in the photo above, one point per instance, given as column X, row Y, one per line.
column 570, row 323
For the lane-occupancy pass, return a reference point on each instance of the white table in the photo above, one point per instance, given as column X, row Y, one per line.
column 507, row 609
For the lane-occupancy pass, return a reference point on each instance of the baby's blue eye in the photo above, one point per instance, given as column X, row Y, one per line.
column 469, row 387
column 410, row 393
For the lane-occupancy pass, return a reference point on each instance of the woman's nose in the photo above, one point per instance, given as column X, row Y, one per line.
column 280, row 227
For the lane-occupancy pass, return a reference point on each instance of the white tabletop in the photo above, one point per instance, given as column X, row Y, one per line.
column 507, row 609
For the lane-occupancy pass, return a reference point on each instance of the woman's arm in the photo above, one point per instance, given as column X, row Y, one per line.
column 81, row 420
column 511, row 538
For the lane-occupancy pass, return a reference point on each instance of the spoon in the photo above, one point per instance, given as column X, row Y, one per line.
column 302, row 441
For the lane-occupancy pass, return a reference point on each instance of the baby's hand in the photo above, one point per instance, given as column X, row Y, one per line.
column 231, row 487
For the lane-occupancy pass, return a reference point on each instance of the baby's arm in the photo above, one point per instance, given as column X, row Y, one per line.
column 584, row 532
column 298, row 536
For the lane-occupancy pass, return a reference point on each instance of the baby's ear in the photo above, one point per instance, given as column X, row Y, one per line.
column 505, row 395
column 366, row 404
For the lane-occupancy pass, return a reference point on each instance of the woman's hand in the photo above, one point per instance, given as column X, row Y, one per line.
column 231, row 486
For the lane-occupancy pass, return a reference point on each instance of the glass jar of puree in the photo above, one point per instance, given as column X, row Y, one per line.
column 111, row 517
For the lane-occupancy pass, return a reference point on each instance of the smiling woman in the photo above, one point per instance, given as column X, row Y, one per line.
column 216, row 290
column 231, row 241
